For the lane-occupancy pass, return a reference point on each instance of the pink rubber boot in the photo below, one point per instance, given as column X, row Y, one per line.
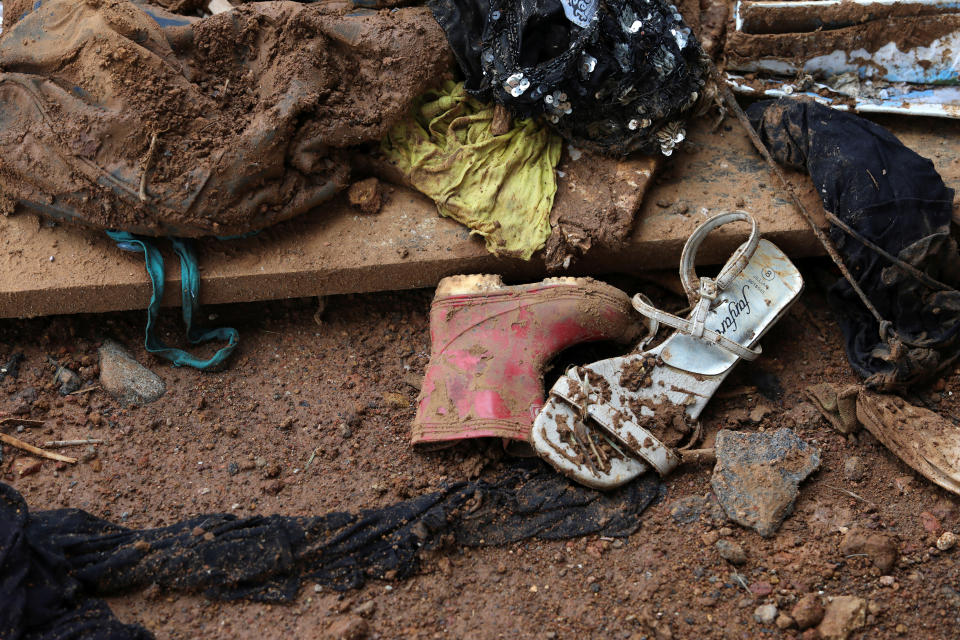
column 491, row 342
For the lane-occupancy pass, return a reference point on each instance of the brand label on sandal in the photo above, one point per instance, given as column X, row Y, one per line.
column 579, row 12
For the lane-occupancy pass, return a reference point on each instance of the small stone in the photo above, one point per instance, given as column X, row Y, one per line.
column 784, row 621
column 803, row 416
column 710, row 538
column 96, row 466
column 808, row 611
column 901, row 628
column 68, row 380
column 765, row 614
column 126, row 379
column 345, row 430
column 197, row 532
column 89, row 453
column 853, row 469
column 731, row 552
column 348, row 628
column 365, row 609
column 396, row 400
column 761, row 589
column 810, row 634
column 233, row 468
column 686, row 510
column 843, row 616
column 209, row 536
column 272, row 471
column 26, row 466
column 946, row 541
column 366, row 195
column 141, row 545
column 930, row 522
column 879, row 547
column 501, row 568
column 887, row 581
column 274, row 487
column 286, row 424
column 757, row 476
column 759, row 412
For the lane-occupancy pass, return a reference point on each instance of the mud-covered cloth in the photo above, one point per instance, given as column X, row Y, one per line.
column 613, row 76
column 128, row 117
column 895, row 198
column 501, row 186
column 265, row 558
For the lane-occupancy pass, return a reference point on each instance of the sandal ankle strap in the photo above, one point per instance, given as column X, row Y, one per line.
column 703, row 291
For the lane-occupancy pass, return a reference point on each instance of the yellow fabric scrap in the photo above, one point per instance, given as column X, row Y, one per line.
column 502, row 187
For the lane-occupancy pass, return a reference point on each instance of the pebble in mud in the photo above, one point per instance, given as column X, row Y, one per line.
column 853, row 469
column 765, row 614
column 731, row 552
column 946, row 541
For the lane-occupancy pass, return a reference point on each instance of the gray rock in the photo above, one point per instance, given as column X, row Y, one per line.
column 757, row 476
column 687, row 510
column 731, row 552
column 126, row 379
column 853, row 469
column 765, row 614
column 68, row 380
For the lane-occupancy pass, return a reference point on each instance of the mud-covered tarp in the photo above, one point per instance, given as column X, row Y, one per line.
column 893, row 197
column 124, row 116
column 501, row 186
column 55, row 565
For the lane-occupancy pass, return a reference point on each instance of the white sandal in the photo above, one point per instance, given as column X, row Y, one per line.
column 593, row 428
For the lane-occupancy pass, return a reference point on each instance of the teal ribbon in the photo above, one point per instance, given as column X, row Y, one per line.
column 190, row 283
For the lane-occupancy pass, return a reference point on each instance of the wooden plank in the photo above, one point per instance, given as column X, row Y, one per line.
column 59, row 269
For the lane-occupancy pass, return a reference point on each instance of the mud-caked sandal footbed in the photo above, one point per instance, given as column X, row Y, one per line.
column 923, row 439
column 597, row 426
column 490, row 343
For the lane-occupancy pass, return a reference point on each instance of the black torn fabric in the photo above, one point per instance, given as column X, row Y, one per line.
column 894, row 198
column 624, row 81
column 55, row 564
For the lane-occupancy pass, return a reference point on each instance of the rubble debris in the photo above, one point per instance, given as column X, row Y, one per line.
column 126, row 379
column 946, row 541
column 757, row 476
column 766, row 614
column 501, row 186
column 843, row 616
column 731, row 552
column 366, row 195
column 878, row 546
column 612, row 77
column 808, row 612
column 923, row 439
column 890, row 215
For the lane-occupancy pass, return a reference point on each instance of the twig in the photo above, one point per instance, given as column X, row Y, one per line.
column 147, row 166
column 310, row 461
column 20, row 444
column 72, row 443
column 87, row 390
column 23, row 421
column 852, row 495
column 697, row 455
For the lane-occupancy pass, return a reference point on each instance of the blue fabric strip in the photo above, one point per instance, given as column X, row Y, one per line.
column 190, row 283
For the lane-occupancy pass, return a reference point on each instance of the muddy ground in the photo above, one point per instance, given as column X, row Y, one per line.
column 345, row 386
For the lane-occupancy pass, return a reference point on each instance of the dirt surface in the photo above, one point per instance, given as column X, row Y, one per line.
column 345, row 387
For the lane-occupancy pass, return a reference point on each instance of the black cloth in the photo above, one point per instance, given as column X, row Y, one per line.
column 895, row 198
column 622, row 83
column 54, row 564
